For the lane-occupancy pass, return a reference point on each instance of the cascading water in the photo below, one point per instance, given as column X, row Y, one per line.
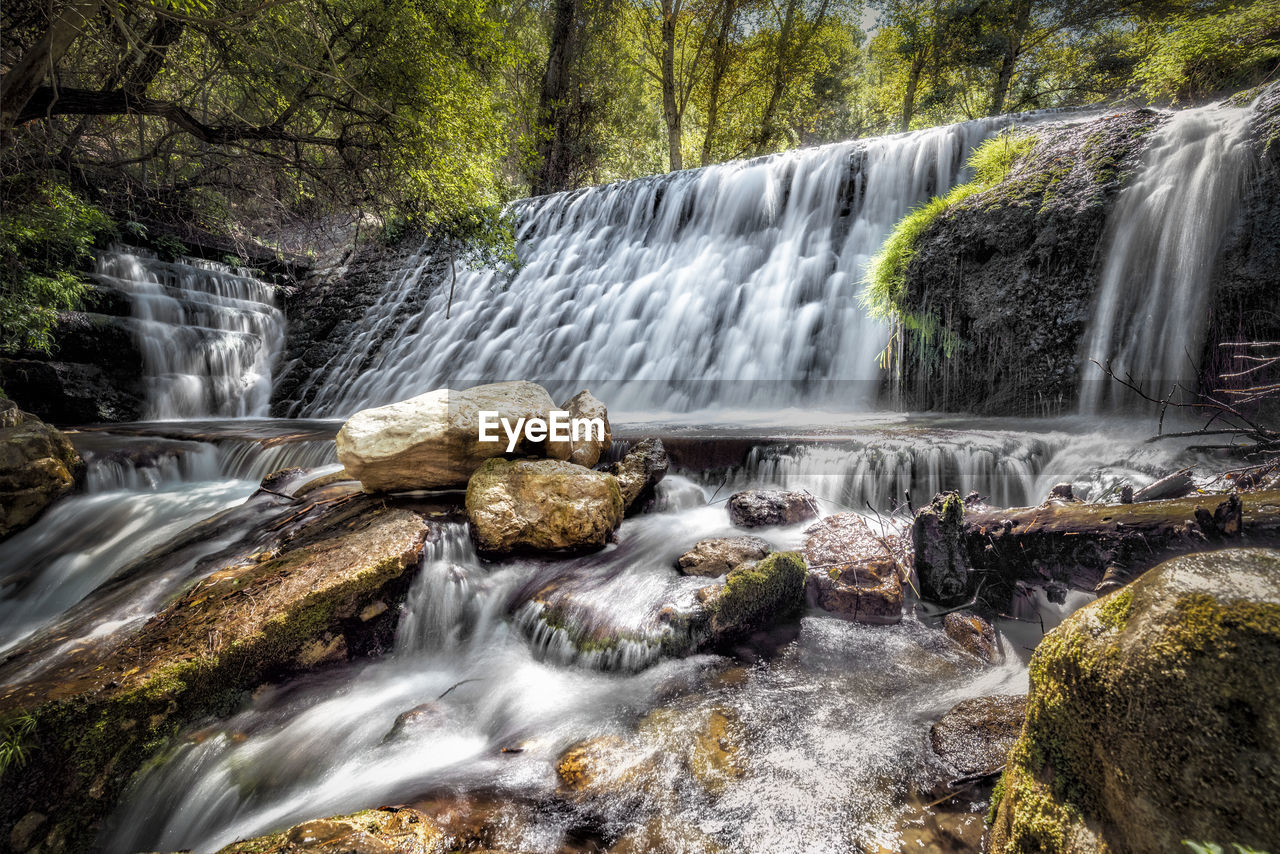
column 209, row 334
column 728, row 285
column 1150, row 316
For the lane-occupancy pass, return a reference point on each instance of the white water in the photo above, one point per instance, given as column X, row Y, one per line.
column 1150, row 315
column 209, row 335
column 735, row 284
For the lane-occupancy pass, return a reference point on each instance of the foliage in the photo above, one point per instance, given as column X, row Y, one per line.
column 13, row 735
column 885, row 280
column 46, row 235
column 1193, row 56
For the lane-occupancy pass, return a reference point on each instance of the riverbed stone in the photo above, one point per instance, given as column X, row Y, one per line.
column 718, row 555
column 259, row 612
column 433, row 441
column 643, row 468
column 385, row 830
column 756, row 595
column 853, row 572
column 546, row 506
column 38, row 465
column 586, row 450
column 974, row 635
column 1153, row 717
column 758, row 508
column 974, row 737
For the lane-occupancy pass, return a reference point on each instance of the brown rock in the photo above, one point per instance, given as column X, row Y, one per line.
column 38, row 465
column 756, row 508
column 541, row 505
column 644, row 466
column 586, row 450
column 974, row 737
column 974, row 634
column 852, row 572
column 386, row 830
column 716, row 556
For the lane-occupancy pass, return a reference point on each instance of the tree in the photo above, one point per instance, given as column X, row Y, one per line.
column 300, row 106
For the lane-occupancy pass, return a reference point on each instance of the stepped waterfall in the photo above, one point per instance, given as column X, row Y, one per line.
column 717, row 309
column 209, row 334
column 728, row 286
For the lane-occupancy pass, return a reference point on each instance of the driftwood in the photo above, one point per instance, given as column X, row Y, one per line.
column 1095, row 547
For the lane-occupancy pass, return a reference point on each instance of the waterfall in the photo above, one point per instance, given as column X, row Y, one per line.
column 209, row 334
column 1150, row 317
column 729, row 285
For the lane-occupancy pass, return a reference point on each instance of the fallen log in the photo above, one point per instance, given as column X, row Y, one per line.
column 1059, row 545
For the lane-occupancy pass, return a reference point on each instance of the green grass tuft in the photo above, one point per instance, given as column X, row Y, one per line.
column 885, row 284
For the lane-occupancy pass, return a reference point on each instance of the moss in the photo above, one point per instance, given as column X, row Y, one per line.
column 1182, row 659
column 885, row 285
column 756, row 593
column 104, row 716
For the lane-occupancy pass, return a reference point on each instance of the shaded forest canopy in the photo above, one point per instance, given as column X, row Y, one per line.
column 250, row 117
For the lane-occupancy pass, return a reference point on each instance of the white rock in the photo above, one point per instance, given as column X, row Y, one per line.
column 585, row 451
column 432, row 441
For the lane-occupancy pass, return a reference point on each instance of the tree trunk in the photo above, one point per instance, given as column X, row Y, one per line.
column 909, row 96
column 1083, row 546
column 553, row 172
column 1012, row 52
column 670, row 110
column 719, row 67
column 780, row 64
column 38, row 62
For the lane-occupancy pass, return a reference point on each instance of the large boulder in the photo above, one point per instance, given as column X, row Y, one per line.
column 756, row 508
column 852, row 571
column 756, row 595
column 37, row 466
column 587, row 448
column 1154, row 717
column 385, row 830
column 718, row 555
column 541, row 506
column 644, row 466
column 433, row 441
column 974, row 737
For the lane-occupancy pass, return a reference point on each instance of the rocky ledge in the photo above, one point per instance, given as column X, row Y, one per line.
column 307, row 587
column 38, row 465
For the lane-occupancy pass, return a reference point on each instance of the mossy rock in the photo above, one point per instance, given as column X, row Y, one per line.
column 755, row 595
column 104, row 708
column 1154, row 717
column 38, row 465
column 386, row 830
column 544, row 506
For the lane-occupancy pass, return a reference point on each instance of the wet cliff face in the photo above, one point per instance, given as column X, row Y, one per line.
column 1246, row 303
column 1011, row 272
column 327, row 309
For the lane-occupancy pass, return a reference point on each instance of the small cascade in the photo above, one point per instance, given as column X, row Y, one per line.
column 209, row 334
column 731, row 285
column 1150, row 316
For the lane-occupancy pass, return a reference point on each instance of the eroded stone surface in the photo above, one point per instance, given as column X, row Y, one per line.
column 433, row 441
column 717, row 556
column 1152, row 716
column 38, row 465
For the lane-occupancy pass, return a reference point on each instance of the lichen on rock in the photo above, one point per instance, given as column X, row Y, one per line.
column 546, row 506
column 756, row 595
column 1153, row 717
column 38, row 465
